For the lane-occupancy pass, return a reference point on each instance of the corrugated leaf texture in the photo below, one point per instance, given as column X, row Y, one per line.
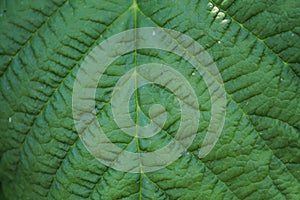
column 256, row 47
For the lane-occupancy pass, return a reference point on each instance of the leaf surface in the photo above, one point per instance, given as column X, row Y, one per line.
column 256, row 47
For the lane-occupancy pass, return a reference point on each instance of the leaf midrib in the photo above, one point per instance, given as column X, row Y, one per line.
column 56, row 89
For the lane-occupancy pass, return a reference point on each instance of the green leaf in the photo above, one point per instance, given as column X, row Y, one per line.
column 256, row 47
